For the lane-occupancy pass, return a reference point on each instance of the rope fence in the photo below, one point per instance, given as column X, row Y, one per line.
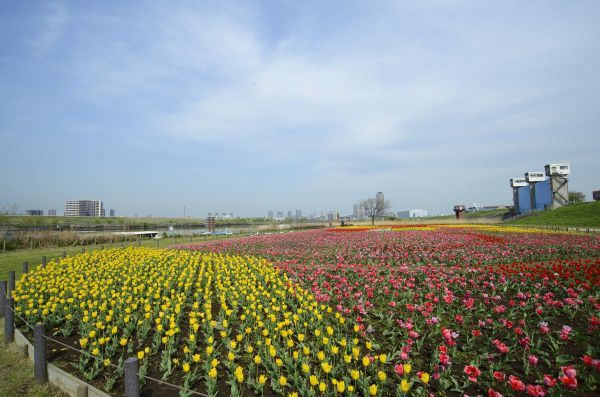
column 131, row 377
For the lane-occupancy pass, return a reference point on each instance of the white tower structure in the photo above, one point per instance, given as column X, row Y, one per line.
column 559, row 182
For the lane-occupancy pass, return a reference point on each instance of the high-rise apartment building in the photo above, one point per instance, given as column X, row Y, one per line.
column 52, row 212
column 84, row 208
column 298, row 214
column 379, row 198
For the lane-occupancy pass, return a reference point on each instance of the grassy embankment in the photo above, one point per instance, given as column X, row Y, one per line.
column 16, row 374
column 83, row 221
column 581, row 215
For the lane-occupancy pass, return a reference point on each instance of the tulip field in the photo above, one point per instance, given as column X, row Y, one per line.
column 365, row 311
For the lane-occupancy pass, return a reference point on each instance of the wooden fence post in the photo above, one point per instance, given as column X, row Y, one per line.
column 11, row 283
column 9, row 321
column 132, row 381
column 3, row 296
column 44, row 261
column 25, row 267
column 40, row 364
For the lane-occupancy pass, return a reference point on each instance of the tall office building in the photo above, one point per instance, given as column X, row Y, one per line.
column 270, row 215
column 379, row 198
column 289, row 213
column 298, row 214
column 112, row 213
column 84, row 208
column 52, row 212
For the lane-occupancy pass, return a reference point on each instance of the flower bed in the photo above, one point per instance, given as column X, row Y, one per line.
column 449, row 311
column 461, row 304
column 219, row 324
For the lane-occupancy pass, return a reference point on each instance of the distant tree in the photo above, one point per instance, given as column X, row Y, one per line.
column 374, row 208
column 576, row 197
column 12, row 209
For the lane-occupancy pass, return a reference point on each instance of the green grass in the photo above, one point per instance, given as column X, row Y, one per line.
column 13, row 260
column 583, row 215
column 16, row 374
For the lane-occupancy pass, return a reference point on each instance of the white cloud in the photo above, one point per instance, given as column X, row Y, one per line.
column 55, row 16
column 352, row 99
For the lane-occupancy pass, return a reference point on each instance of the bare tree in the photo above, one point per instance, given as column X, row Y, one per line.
column 374, row 208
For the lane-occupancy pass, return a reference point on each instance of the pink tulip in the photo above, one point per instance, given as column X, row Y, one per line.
column 533, row 360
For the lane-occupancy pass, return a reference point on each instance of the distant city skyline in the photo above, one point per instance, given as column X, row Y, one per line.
column 249, row 106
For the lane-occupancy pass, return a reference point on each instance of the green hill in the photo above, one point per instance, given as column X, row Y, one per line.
column 574, row 215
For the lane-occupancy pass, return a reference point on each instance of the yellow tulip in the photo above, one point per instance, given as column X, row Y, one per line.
column 407, row 368
column 404, row 386
column 212, row 373
column 373, row 390
column 322, row 387
column 239, row 374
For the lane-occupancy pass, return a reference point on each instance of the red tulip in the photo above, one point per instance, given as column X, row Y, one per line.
column 472, row 372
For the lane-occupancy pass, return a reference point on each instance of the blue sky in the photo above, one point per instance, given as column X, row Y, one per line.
column 250, row 106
